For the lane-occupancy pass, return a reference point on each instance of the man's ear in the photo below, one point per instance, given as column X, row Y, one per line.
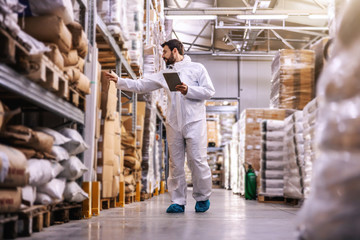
column 175, row 50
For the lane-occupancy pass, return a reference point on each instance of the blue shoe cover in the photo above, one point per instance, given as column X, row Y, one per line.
column 202, row 206
column 176, row 208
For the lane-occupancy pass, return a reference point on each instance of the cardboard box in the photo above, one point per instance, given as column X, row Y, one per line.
column 106, row 189
column 98, row 123
column 10, row 200
column 115, row 186
column 106, row 145
column 122, row 154
column 140, row 109
column 128, row 107
column 116, row 165
column 127, row 124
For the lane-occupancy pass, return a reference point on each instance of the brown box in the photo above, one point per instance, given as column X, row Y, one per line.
column 106, row 189
column 98, row 123
column 10, row 200
column 106, row 144
column 115, row 186
column 116, row 165
column 105, row 175
column 140, row 109
column 117, row 141
column 127, row 124
column 126, row 108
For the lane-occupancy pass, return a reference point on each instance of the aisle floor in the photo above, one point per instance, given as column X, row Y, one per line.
column 230, row 217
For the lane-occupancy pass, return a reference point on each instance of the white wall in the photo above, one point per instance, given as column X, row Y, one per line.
column 255, row 76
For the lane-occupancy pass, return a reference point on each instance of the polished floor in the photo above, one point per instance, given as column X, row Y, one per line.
column 229, row 217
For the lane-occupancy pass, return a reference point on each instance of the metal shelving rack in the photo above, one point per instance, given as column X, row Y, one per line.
column 36, row 94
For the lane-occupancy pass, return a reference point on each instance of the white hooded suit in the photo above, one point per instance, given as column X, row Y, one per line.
column 185, row 127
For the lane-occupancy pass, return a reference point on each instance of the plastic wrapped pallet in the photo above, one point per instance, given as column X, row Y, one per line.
column 292, row 171
column 310, row 147
column 292, row 83
column 226, row 123
column 332, row 209
column 147, row 165
column 271, row 164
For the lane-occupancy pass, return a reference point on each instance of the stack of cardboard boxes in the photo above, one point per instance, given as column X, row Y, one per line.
column 250, row 135
column 109, row 154
column 292, row 83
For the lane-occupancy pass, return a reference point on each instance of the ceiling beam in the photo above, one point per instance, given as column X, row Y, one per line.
column 311, row 42
column 207, row 23
column 282, row 39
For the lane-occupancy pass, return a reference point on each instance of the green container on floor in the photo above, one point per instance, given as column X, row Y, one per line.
column 250, row 184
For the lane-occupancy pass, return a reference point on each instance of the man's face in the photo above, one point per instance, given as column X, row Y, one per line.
column 168, row 56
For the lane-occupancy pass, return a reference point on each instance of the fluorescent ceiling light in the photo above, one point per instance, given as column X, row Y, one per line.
column 318, row 16
column 191, row 17
column 255, row 17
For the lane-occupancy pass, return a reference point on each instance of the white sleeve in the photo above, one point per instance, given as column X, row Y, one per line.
column 139, row 86
column 205, row 90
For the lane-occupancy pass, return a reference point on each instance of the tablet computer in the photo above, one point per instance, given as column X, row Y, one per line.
column 172, row 79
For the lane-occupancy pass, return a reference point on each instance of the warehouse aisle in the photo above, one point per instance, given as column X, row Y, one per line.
column 230, row 217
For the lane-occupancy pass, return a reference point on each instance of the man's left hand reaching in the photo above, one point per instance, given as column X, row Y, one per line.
column 183, row 88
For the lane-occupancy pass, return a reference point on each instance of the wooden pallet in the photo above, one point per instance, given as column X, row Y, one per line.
column 47, row 74
column 269, row 199
column 291, row 201
column 64, row 212
column 77, row 99
column 12, row 52
column 8, row 226
column 25, row 221
column 130, row 198
column 106, row 203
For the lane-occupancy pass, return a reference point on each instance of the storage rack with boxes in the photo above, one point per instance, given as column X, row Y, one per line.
column 53, row 79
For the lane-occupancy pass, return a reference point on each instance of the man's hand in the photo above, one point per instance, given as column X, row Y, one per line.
column 183, row 88
column 110, row 77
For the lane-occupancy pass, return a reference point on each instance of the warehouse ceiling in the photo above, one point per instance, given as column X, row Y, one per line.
column 246, row 27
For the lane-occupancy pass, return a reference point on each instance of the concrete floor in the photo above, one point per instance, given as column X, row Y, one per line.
column 229, row 217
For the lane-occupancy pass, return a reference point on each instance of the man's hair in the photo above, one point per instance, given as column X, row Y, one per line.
column 174, row 43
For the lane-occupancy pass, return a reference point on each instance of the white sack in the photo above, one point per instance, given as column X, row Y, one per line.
column 60, row 153
column 55, row 188
column 42, row 171
column 77, row 144
column 74, row 193
column 73, row 169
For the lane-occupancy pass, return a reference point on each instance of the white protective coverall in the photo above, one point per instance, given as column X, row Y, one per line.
column 185, row 127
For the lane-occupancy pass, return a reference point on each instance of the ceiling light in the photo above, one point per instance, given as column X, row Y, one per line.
column 318, row 16
column 254, row 17
column 191, row 17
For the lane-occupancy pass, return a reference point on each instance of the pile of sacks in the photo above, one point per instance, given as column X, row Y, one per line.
column 43, row 162
column 65, row 37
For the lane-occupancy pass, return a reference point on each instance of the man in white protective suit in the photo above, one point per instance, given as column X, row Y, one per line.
column 185, row 124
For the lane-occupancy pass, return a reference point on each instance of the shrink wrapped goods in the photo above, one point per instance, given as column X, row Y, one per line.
column 61, row 8
column 331, row 209
column 271, row 163
column 292, row 83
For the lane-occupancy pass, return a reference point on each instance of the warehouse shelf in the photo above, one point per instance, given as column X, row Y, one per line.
column 114, row 46
column 36, row 94
column 214, row 149
column 221, row 109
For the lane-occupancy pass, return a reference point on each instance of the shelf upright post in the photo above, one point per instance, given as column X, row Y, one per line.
column 91, row 71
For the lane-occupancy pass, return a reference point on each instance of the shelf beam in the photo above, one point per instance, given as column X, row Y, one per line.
column 36, row 94
column 114, row 46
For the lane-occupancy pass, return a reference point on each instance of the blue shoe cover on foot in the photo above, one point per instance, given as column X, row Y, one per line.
column 202, row 206
column 176, row 208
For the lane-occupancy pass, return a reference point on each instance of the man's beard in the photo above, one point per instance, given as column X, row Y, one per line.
column 170, row 61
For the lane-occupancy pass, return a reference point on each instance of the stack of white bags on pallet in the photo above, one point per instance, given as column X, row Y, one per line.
column 271, row 163
column 293, row 156
column 52, row 181
column 310, row 113
column 332, row 209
